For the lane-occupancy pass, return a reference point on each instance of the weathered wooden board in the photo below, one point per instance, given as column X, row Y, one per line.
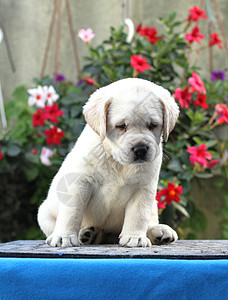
column 188, row 249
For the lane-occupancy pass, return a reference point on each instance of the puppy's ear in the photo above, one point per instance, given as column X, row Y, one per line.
column 96, row 111
column 170, row 114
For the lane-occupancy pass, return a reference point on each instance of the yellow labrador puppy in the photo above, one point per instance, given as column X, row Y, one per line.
column 107, row 184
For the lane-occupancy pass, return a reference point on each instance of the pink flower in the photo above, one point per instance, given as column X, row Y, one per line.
column 46, row 153
column 221, row 110
column 194, row 36
column 196, row 84
column 199, row 155
column 86, row 35
column 183, row 96
column 139, row 63
column 195, row 14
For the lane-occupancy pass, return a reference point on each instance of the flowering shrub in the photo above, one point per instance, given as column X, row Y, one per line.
column 49, row 116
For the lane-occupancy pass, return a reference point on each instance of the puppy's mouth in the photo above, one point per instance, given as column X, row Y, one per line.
column 138, row 160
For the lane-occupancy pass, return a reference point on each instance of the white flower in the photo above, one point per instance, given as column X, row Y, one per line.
column 51, row 94
column 46, row 153
column 37, row 97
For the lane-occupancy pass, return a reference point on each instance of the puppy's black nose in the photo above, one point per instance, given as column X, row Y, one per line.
column 140, row 151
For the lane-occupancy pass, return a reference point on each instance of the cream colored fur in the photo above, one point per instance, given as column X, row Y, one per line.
column 99, row 183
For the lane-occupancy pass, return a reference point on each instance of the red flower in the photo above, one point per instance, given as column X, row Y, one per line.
column 90, row 81
column 195, row 14
column 194, row 36
column 201, row 101
column 54, row 135
column 161, row 205
column 169, row 194
column 215, row 40
column 183, row 96
column 150, row 34
column 138, row 27
column 221, row 111
column 196, row 84
column 212, row 163
column 53, row 112
column 38, row 118
column 1, row 155
column 139, row 63
column 34, row 151
column 199, row 155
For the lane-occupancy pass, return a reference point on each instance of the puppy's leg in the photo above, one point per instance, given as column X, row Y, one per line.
column 94, row 236
column 137, row 215
column 159, row 234
column 45, row 219
column 70, row 214
column 90, row 235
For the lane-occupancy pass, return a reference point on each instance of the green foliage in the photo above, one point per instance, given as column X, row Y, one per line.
column 24, row 179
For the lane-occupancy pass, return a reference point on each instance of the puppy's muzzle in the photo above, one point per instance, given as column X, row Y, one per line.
column 140, row 152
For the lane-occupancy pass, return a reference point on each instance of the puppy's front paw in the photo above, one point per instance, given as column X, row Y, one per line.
column 162, row 234
column 134, row 241
column 61, row 240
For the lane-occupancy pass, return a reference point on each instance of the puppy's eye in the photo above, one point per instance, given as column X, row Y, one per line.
column 121, row 126
column 151, row 126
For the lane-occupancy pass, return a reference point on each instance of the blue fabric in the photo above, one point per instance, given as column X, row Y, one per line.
column 34, row 278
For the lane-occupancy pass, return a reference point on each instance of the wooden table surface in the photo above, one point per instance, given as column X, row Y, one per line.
column 183, row 249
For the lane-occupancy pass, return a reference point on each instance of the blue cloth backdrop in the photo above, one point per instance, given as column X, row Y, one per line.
column 40, row 278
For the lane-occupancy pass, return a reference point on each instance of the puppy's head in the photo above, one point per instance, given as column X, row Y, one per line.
column 130, row 116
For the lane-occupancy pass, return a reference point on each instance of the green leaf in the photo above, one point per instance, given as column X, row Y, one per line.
column 172, row 16
column 197, row 140
column 33, row 158
column 76, row 111
column 175, row 165
column 108, row 70
column 31, row 173
column 211, row 143
column 198, row 222
column 73, row 89
column 187, row 175
column 181, row 209
column 184, row 200
column 70, row 99
column 13, row 150
column 94, row 52
column 204, row 175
